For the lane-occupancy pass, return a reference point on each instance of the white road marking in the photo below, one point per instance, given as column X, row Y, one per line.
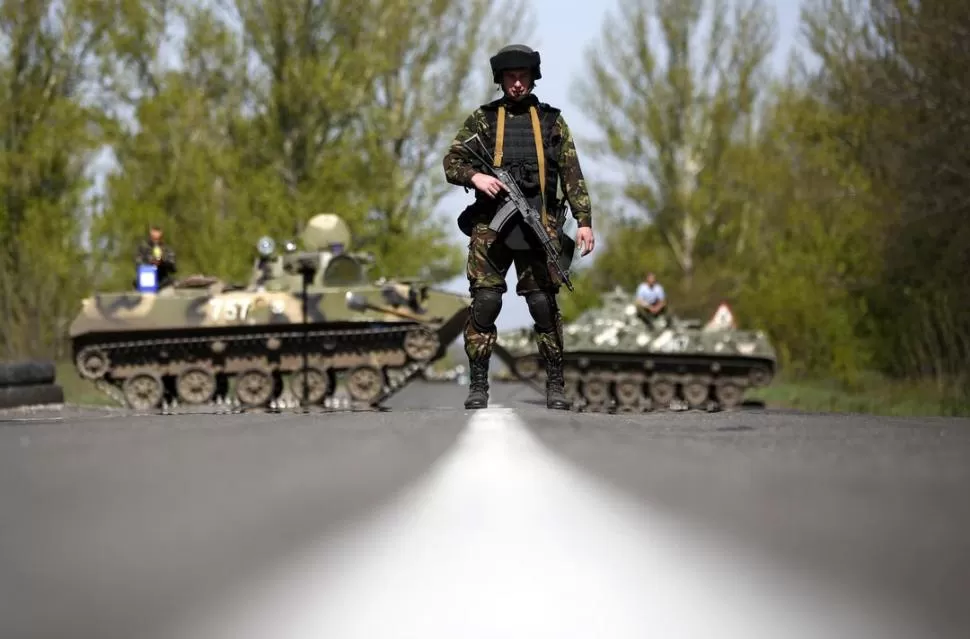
column 503, row 539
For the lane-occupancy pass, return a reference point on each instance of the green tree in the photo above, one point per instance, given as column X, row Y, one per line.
column 670, row 117
column 177, row 106
column 48, row 136
column 897, row 67
column 816, row 249
column 276, row 111
column 419, row 100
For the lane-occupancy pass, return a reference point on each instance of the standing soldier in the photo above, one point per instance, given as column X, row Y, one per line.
column 154, row 250
column 530, row 139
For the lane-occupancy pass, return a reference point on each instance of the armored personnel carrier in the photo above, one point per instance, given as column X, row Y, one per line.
column 307, row 320
column 614, row 359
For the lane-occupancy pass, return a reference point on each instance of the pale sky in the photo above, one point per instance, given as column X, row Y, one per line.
column 563, row 30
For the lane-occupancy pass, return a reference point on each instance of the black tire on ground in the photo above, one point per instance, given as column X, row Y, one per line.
column 32, row 395
column 27, row 373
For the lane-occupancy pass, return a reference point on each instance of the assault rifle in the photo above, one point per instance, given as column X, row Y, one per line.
column 516, row 203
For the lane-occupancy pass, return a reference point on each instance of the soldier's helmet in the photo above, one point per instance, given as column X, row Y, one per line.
column 515, row 56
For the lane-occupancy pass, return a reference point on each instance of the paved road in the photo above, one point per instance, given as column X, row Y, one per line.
column 432, row 521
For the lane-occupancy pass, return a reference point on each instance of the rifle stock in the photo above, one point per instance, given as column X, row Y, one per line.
column 517, row 203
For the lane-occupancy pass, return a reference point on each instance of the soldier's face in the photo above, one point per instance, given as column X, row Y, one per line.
column 516, row 82
column 156, row 235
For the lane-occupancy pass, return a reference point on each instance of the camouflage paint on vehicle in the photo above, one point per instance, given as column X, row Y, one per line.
column 188, row 340
column 614, row 359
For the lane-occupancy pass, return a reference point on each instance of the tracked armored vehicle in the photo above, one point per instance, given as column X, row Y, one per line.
column 202, row 341
column 615, row 360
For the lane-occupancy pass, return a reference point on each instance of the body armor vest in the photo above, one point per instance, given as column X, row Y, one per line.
column 514, row 140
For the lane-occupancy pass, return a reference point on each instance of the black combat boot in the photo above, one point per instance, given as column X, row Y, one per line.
column 555, row 386
column 550, row 348
column 477, row 384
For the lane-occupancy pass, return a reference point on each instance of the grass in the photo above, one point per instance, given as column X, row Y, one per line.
column 874, row 395
column 78, row 390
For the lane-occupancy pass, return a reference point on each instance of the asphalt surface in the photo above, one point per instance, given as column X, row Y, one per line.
column 429, row 520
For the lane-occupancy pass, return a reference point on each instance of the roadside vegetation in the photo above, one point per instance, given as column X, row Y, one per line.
column 826, row 203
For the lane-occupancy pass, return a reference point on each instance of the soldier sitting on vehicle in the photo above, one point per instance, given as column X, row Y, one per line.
column 651, row 302
column 153, row 250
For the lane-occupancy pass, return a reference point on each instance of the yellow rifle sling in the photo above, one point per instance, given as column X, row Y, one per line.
column 537, row 134
column 499, row 137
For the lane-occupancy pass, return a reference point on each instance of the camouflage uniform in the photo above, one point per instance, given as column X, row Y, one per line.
column 160, row 255
column 490, row 256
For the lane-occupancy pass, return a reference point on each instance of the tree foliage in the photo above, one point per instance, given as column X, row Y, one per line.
column 828, row 206
column 672, row 94
column 223, row 121
column 49, row 133
column 272, row 112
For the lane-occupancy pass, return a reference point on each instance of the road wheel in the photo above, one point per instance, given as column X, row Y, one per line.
column 662, row 392
column 195, row 386
column 317, row 381
column 728, row 395
column 365, row 384
column 696, row 393
column 254, row 388
column 143, row 391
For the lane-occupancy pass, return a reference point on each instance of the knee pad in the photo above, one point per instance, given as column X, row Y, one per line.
column 486, row 304
column 542, row 307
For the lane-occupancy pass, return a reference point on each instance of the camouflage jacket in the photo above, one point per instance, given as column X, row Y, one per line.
column 146, row 254
column 459, row 169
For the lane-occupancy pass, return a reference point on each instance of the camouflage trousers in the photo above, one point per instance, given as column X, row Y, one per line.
column 487, row 267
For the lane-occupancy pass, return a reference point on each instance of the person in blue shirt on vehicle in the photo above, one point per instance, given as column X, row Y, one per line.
column 651, row 301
